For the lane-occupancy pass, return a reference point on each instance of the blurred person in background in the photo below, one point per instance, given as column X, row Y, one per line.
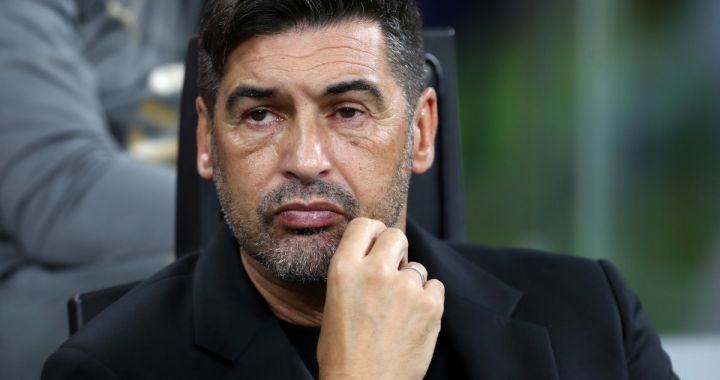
column 82, row 81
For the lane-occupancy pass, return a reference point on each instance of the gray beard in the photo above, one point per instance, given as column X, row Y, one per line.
column 303, row 255
column 297, row 255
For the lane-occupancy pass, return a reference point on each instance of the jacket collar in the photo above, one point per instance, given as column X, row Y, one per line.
column 233, row 321
column 462, row 278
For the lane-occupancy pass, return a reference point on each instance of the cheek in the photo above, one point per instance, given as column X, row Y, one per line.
column 368, row 165
column 248, row 170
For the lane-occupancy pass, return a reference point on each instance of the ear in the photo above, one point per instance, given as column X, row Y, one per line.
column 424, row 129
column 204, row 142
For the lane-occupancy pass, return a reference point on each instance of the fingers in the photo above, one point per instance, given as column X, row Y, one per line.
column 385, row 250
column 434, row 299
column 436, row 289
column 433, row 290
column 380, row 309
column 390, row 249
column 416, row 270
column 370, row 238
column 359, row 237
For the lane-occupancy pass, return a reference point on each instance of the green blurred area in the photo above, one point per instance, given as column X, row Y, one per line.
column 528, row 95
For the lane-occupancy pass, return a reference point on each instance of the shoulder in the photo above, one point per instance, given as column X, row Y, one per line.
column 177, row 272
column 156, row 313
column 540, row 274
column 578, row 297
column 565, row 291
column 162, row 291
column 556, row 284
column 523, row 268
column 83, row 366
column 161, row 299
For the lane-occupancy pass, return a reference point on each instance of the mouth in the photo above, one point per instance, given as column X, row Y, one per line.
column 312, row 215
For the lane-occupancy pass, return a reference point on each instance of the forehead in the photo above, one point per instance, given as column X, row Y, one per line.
column 311, row 54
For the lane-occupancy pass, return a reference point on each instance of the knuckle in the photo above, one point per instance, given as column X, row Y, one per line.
column 376, row 224
column 379, row 273
column 429, row 302
column 440, row 286
column 409, row 284
column 371, row 221
column 397, row 235
column 432, row 305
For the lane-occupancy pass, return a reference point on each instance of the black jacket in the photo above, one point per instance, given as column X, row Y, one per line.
column 509, row 314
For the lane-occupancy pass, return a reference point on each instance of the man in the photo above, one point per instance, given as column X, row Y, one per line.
column 311, row 117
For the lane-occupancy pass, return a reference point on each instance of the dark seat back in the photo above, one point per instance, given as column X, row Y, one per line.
column 83, row 307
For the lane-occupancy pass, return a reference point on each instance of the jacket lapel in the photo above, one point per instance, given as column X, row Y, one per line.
column 477, row 325
column 233, row 322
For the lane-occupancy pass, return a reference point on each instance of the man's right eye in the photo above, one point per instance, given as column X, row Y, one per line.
column 261, row 116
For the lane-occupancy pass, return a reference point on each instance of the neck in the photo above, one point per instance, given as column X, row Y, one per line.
column 297, row 304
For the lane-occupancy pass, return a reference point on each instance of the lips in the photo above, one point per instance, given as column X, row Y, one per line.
column 309, row 215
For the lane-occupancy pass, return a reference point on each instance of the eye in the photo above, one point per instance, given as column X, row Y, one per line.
column 261, row 116
column 348, row 113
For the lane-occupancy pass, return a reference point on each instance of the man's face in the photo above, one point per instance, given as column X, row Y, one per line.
column 310, row 131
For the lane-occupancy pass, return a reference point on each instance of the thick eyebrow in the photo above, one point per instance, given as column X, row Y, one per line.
column 356, row 85
column 251, row 92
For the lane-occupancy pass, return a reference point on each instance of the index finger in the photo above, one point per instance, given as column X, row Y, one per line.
column 359, row 237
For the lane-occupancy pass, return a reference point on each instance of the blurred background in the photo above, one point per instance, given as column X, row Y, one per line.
column 593, row 128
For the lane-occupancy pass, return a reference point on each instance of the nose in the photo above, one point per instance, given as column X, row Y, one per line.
column 305, row 151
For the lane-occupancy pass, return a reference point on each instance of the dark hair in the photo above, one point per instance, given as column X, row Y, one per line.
column 225, row 24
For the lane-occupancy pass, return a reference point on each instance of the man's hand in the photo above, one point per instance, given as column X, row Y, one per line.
column 379, row 321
